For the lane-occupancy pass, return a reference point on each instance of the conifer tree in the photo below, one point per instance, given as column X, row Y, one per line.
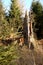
column 4, row 27
column 15, row 16
column 36, row 17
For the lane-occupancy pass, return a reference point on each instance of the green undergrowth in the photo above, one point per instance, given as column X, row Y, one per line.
column 8, row 54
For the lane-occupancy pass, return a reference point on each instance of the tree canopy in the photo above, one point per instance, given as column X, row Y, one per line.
column 36, row 17
column 15, row 15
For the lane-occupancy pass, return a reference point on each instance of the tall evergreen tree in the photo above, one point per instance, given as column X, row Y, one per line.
column 1, row 17
column 1, row 12
column 36, row 17
column 15, row 16
column 4, row 28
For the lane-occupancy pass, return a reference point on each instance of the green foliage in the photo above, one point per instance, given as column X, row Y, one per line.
column 12, row 22
column 15, row 16
column 4, row 26
column 36, row 7
column 9, row 54
column 5, row 30
column 37, row 17
column 1, row 12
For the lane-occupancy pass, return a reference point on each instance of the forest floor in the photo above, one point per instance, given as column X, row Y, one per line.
column 15, row 55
